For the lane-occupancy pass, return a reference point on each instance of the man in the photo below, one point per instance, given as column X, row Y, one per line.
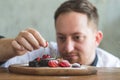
column 76, row 25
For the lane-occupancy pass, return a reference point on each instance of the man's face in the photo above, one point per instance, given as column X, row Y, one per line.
column 75, row 37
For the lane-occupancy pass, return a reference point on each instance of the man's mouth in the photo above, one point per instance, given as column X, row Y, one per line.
column 71, row 56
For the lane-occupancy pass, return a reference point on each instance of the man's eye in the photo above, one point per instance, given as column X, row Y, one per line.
column 79, row 38
column 61, row 38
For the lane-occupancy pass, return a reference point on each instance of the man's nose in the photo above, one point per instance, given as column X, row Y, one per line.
column 69, row 46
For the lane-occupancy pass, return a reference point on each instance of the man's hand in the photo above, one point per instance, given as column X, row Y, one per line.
column 28, row 40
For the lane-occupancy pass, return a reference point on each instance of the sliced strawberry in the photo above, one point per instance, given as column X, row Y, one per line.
column 64, row 63
column 46, row 56
column 53, row 63
column 38, row 59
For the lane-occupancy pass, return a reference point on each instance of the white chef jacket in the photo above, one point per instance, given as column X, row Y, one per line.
column 105, row 59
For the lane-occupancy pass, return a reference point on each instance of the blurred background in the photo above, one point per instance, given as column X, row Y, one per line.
column 17, row 15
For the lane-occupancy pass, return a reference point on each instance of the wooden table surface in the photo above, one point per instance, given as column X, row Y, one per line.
column 102, row 74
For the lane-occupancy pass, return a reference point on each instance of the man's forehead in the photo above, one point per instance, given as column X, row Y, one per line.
column 73, row 14
column 73, row 19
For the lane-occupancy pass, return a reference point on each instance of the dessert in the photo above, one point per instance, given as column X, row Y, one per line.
column 41, row 62
column 47, row 61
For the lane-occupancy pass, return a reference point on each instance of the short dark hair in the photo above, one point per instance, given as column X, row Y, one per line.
column 80, row 6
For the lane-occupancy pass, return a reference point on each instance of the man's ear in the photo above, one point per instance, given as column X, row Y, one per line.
column 99, row 37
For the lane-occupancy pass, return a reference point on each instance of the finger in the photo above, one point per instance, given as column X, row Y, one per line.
column 30, row 38
column 16, row 45
column 37, row 35
column 19, row 50
column 22, row 41
column 47, row 44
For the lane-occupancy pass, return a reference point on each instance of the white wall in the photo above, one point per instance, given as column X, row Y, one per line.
column 16, row 15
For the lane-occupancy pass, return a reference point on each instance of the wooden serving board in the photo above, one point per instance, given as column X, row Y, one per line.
column 52, row 71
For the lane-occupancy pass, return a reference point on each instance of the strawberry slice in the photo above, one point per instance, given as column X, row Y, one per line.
column 38, row 59
column 53, row 63
column 46, row 56
column 64, row 63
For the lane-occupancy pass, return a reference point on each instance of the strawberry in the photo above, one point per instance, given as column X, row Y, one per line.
column 38, row 59
column 46, row 56
column 53, row 63
column 64, row 63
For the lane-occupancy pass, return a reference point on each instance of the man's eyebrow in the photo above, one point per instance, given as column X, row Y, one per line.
column 76, row 33
column 60, row 34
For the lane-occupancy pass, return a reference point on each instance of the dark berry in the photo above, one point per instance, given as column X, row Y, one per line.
column 33, row 64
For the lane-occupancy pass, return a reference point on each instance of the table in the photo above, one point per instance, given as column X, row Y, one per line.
column 102, row 74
